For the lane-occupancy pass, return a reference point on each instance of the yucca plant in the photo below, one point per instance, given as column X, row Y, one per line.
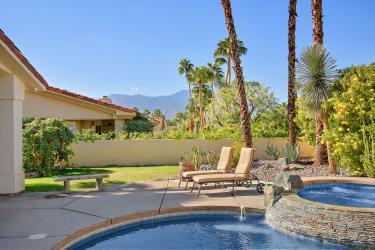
column 273, row 152
column 316, row 70
column 292, row 153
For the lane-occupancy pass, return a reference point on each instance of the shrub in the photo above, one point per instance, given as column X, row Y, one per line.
column 212, row 159
column 88, row 135
column 292, row 152
column 237, row 145
column 273, row 152
column 46, row 145
column 353, row 127
column 197, row 156
column 139, row 125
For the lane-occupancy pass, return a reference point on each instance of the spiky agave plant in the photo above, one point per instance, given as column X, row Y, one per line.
column 316, row 70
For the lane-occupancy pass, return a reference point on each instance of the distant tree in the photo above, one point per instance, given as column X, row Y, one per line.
column 157, row 113
column 139, row 125
column 186, row 68
column 223, row 55
column 202, row 75
column 217, row 74
column 146, row 112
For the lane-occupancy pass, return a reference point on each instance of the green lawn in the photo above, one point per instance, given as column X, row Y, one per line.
column 118, row 175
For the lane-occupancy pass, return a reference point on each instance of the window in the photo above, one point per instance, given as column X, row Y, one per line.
column 98, row 129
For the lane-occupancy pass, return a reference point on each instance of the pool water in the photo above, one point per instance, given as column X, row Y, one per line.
column 201, row 231
column 344, row 194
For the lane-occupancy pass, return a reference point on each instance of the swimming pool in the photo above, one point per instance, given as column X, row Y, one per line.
column 343, row 194
column 200, row 231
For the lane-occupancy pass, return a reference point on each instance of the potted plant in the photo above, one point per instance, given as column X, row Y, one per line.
column 186, row 164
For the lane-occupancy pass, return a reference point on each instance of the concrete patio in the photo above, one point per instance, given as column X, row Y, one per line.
column 30, row 221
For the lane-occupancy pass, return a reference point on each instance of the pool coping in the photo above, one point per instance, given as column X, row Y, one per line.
column 109, row 224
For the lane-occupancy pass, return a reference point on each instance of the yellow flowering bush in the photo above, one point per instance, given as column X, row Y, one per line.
column 352, row 119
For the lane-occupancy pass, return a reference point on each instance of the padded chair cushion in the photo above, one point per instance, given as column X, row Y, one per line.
column 218, row 178
column 190, row 174
column 226, row 157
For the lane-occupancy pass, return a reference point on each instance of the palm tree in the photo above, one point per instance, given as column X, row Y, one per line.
column 201, row 75
column 217, row 75
column 316, row 70
column 292, row 93
column 223, row 55
column 317, row 14
column 235, row 53
column 185, row 68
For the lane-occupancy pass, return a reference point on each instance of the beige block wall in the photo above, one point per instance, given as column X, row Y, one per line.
column 159, row 152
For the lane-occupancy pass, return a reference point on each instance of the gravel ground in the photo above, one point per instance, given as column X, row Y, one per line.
column 266, row 170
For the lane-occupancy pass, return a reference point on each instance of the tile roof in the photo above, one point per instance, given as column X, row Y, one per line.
column 22, row 58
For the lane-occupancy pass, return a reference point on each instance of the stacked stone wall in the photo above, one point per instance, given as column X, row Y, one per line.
column 292, row 213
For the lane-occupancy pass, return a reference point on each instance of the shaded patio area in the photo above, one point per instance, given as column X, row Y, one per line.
column 30, row 221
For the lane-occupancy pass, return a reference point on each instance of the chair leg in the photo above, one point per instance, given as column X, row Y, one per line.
column 192, row 188
column 199, row 191
column 233, row 187
column 187, row 183
column 179, row 184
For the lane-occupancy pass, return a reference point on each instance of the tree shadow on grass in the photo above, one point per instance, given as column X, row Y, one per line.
column 92, row 184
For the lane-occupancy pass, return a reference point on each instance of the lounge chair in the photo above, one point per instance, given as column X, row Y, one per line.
column 242, row 172
column 223, row 166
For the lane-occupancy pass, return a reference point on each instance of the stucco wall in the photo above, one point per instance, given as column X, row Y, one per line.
column 158, row 152
column 38, row 105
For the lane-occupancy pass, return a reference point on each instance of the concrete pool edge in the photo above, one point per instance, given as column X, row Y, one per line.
column 341, row 224
column 109, row 224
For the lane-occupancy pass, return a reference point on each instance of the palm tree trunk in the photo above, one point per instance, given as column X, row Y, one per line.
column 319, row 147
column 229, row 69
column 190, row 89
column 292, row 93
column 317, row 14
column 201, row 106
column 245, row 122
column 331, row 160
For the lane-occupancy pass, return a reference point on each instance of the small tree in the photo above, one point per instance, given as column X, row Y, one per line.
column 316, row 71
column 46, row 145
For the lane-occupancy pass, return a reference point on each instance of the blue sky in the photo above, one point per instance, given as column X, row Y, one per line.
column 133, row 46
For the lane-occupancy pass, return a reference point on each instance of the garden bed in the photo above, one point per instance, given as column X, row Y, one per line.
column 266, row 170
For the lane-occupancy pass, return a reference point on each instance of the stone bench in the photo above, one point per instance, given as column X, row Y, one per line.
column 67, row 179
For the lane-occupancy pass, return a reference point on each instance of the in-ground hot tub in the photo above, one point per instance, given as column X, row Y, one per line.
column 341, row 194
column 339, row 209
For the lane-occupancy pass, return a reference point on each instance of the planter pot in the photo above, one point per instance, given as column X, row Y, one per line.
column 186, row 166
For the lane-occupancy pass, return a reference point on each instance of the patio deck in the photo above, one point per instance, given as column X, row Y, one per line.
column 31, row 214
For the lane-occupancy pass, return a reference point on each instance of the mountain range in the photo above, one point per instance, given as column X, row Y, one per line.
column 169, row 105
